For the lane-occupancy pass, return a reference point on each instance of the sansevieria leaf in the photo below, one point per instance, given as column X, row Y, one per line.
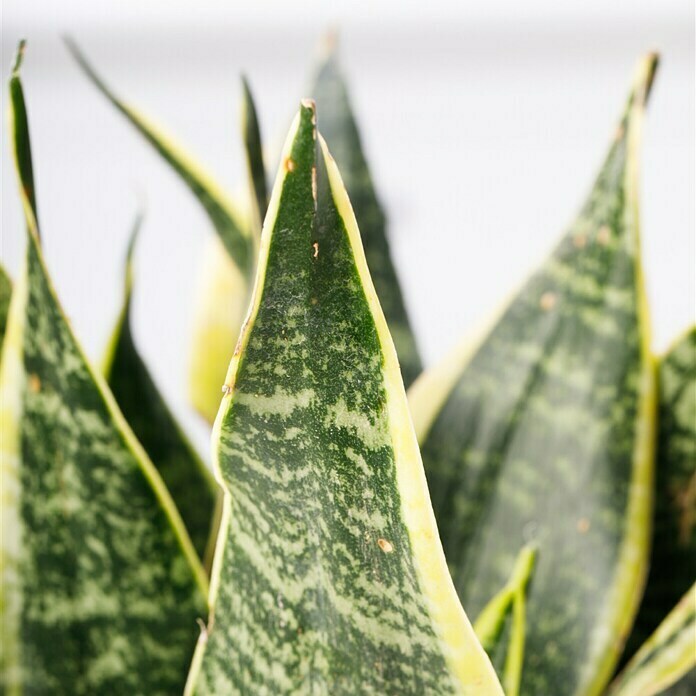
column 666, row 663
column 101, row 586
column 329, row 577
column 5, row 295
column 224, row 298
column 673, row 560
column 341, row 133
column 186, row 477
column 253, row 148
column 544, row 433
column 234, row 235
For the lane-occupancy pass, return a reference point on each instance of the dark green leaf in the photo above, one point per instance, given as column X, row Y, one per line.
column 5, row 295
column 329, row 577
column 254, row 156
column 100, row 585
column 188, row 481
column 341, row 133
column 546, row 434
column 673, row 561
column 234, row 235
column 666, row 663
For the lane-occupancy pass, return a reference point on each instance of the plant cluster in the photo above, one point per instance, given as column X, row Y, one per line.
column 542, row 477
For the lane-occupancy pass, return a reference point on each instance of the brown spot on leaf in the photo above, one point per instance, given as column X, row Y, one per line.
column 34, row 383
column 315, row 246
column 583, row 525
column 547, row 301
column 289, row 164
column 604, row 235
column 385, row 545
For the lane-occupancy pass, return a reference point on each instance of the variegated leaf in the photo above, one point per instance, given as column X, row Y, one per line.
column 341, row 133
column 254, row 156
column 5, row 295
column 100, row 585
column 544, row 432
column 673, row 560
column 186, row 477
column 329, row 577
column 666, row 663
column 234, row 235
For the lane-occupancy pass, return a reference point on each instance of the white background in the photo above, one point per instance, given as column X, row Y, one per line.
column 484, row 124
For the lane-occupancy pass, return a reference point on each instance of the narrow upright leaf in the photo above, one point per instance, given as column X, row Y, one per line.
column 100, row 584
column 254, row 156
column 673, row 561
column 341, row 133
column 666, row 663
column 329, row 577
column 547, row 435
column 5, row 295
column 186, row 477
column 234, row 235
column 225, row 294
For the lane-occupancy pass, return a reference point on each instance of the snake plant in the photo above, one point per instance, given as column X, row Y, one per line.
column 487, row 532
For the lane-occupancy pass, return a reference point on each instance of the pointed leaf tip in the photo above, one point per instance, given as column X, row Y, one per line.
column 645, row 76
column 19, row 56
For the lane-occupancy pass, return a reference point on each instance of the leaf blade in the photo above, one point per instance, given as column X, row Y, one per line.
column 221, row 211
column 73, row 585
column 5, row 298
column 301, row 542
column 666, row 663
column 341, row 133
column 253, row 150
column 547, row 435
column 186, row 477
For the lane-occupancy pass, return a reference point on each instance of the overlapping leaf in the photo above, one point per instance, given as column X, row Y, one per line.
column 673, row 560
column 253, row 149
column 100, row 585
column 666, row 663
column 186, row 477
column 329, row 577
column 501, row 626
column 223, row 302
column 5, row 295
column 341, row 133
column 546, row 435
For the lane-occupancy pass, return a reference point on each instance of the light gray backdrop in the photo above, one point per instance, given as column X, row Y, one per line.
column 484, row 124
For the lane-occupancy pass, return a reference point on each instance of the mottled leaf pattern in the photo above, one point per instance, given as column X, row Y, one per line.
column 546, row 436
column 341, row 133
column 188, row 481
column 100, row 583
column 329, row 577
column 5, row 295
column 673, row 561
column 666, row 663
